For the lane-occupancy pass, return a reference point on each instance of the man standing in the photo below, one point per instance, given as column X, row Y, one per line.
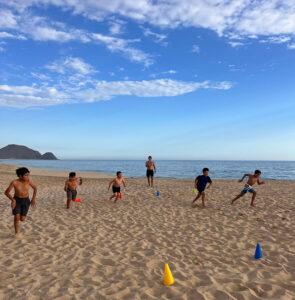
column 150, row 170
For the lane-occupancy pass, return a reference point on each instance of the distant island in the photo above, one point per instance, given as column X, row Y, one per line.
column 22, row 152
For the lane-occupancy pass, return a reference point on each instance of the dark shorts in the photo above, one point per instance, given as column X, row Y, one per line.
column 200, row 190
column 116, row 189
column 149, row 173
column 22, row 206
column 71, row 194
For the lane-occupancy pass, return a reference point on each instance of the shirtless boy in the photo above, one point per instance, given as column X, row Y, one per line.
column 70, row 188
column 252, row 179
column 116, row 186
column 150, row 171
column 20, row 201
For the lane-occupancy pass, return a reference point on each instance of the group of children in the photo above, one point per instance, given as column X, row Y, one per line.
column 20, row 201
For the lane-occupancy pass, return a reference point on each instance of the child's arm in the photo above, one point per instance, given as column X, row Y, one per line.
column 111, row 184
column 7, row 194
column 124, row 183
column 34, row 193
column 154, row 167
column 245, row 175
column 260, row 182
column 210, row 183
column 196, row 181
column 80, row 181
column 66, row 186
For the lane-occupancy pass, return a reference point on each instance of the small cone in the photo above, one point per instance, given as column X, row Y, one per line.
column 258, row 251
column 168, row 277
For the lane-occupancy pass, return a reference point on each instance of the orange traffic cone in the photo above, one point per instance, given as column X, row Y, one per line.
column 168, row 277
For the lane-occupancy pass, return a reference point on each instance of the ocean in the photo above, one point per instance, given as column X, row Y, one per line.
column 219, row 169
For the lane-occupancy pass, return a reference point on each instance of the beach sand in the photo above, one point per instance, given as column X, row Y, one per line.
column 102, row 250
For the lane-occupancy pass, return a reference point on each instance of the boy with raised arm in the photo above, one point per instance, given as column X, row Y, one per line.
column 116, row 186
column 201, row 184
column 248, row 188
column 20, row 201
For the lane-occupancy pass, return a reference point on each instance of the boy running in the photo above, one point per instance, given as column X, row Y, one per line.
column 70, row 188
column 201, row 183
column 20, row 202
column 116, row 186
column 150, row 171
column 252, row 179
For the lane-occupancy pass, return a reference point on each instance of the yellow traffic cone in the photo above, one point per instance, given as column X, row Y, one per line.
column 168, row 277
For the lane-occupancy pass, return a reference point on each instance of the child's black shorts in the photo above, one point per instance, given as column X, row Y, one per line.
column 116, row 189
column 22, row 206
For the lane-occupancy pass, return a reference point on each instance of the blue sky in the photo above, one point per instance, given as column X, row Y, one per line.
column 124, row 79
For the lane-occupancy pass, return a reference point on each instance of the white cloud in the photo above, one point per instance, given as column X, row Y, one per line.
column 235, row 44
column 291, row 46
column 7, row 19
column 37, row 96
column 242, row 17
column 159, row 38
column 116, row 27
column 122, row 46
column 8, row 35
column 196, row 49
column 75, row 64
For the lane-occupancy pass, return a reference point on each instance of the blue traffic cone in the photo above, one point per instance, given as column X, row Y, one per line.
column 258, row 251
column 157, row 193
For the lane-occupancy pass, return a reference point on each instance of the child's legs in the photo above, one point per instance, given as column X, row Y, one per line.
column 152, row 181
column 69, row 203
column 198, row 196
column 114, row 195
column 16, row 222
column 149, row 180
column 203, row 198
column 237, row 197
column 117, row 195
column 253, row 198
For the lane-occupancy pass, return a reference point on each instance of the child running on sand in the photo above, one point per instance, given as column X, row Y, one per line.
column 70, row 188
column 20, row 202
column 200, row 184
column 116, row 186
column 252, row 179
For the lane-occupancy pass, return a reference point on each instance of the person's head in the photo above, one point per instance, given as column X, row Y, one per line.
column 205, row 171
column 257, row 173
column 119, row 174
column 150, row 158
column 22, row 173
column 72, row 175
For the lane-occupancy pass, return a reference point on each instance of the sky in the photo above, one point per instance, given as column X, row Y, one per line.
column 122, row 79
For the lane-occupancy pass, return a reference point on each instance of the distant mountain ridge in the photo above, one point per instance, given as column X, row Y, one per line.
column 22, row 152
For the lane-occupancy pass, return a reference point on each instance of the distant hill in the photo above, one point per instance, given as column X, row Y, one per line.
column 22, row 152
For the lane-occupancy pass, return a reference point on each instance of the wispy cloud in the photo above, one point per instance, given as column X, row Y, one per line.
column 122, row 46
column 159, row 38
column 196, row 49
column 75, row 64
column 38, row 96
column 291, row 46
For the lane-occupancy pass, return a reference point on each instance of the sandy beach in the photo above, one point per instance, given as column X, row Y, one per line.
column 102, row 250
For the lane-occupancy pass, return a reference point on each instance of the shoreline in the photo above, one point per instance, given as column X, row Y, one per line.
column 10, row 168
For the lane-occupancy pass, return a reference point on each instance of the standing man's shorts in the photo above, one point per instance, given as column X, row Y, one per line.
column 22, row 206
column 149, row 173
column 71, row 194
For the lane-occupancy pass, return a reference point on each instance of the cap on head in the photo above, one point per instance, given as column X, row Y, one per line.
column 20, row 172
